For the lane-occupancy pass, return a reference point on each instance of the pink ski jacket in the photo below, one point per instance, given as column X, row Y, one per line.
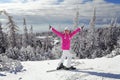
column 66, row 38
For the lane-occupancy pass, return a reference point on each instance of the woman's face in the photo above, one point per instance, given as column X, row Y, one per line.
column 67, row 31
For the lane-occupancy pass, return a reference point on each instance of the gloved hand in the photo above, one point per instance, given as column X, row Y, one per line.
column 50, row 27
column 82, row 27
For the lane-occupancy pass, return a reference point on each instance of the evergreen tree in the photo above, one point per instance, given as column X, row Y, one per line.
column 31, row 37
column 76, row 41
column 2, row 41
column 56, row 51
column 25, row 35
column 91, row 34
column 12, row 53
column 91, row 38
column 12, row 30
column 30, row 53
column 118, row 42
column 38, row 53
column 23, row 54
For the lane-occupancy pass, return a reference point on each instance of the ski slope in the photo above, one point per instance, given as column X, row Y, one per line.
column 88, row 69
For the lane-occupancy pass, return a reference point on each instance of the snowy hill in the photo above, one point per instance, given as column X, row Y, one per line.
column 88, row 69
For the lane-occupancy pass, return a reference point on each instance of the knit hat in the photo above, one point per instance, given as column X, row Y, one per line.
column 66, row 28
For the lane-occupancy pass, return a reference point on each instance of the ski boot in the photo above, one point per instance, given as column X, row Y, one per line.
column 60, row 67
column 72, row 68
column 66, row 68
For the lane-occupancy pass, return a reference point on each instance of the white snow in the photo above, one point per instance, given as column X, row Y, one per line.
column 89, row 69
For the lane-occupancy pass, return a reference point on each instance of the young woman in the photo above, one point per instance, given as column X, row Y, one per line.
column 66, row 37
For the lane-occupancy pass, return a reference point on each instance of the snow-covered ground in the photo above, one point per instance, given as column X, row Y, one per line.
column 88, row 69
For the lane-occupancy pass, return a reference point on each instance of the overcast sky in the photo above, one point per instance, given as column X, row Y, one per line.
column 59, row 13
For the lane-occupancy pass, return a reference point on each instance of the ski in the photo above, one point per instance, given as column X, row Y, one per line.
column 53, row 70
column 75, row 70
column 61, row 69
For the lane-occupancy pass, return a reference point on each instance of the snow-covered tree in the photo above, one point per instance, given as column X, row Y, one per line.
column 19, row 40
column 38, row 50
column 27, row 54
column 114, row 52
column 25, row 35
column 118, row 42
column 22, row 55
column 76, row 41
column 91, row 34
column 31, row 37
column 56, row 50
column 12, row 30
column 12, row 53
column 115, row 23
column 8, row 64
column 38, row 53
column 92, row 39
column 111, row 36
column 2, row 40
column 30, row 53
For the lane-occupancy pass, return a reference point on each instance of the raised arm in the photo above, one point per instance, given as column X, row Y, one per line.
column 56, row 32
column 75, row 32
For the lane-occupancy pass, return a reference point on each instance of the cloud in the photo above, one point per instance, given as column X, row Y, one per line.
column 56, row 12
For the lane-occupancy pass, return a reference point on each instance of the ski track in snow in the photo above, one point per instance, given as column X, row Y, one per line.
column 87, row 69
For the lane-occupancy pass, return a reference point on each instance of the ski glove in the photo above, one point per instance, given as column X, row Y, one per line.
column 50, row 27
column 82, row 27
